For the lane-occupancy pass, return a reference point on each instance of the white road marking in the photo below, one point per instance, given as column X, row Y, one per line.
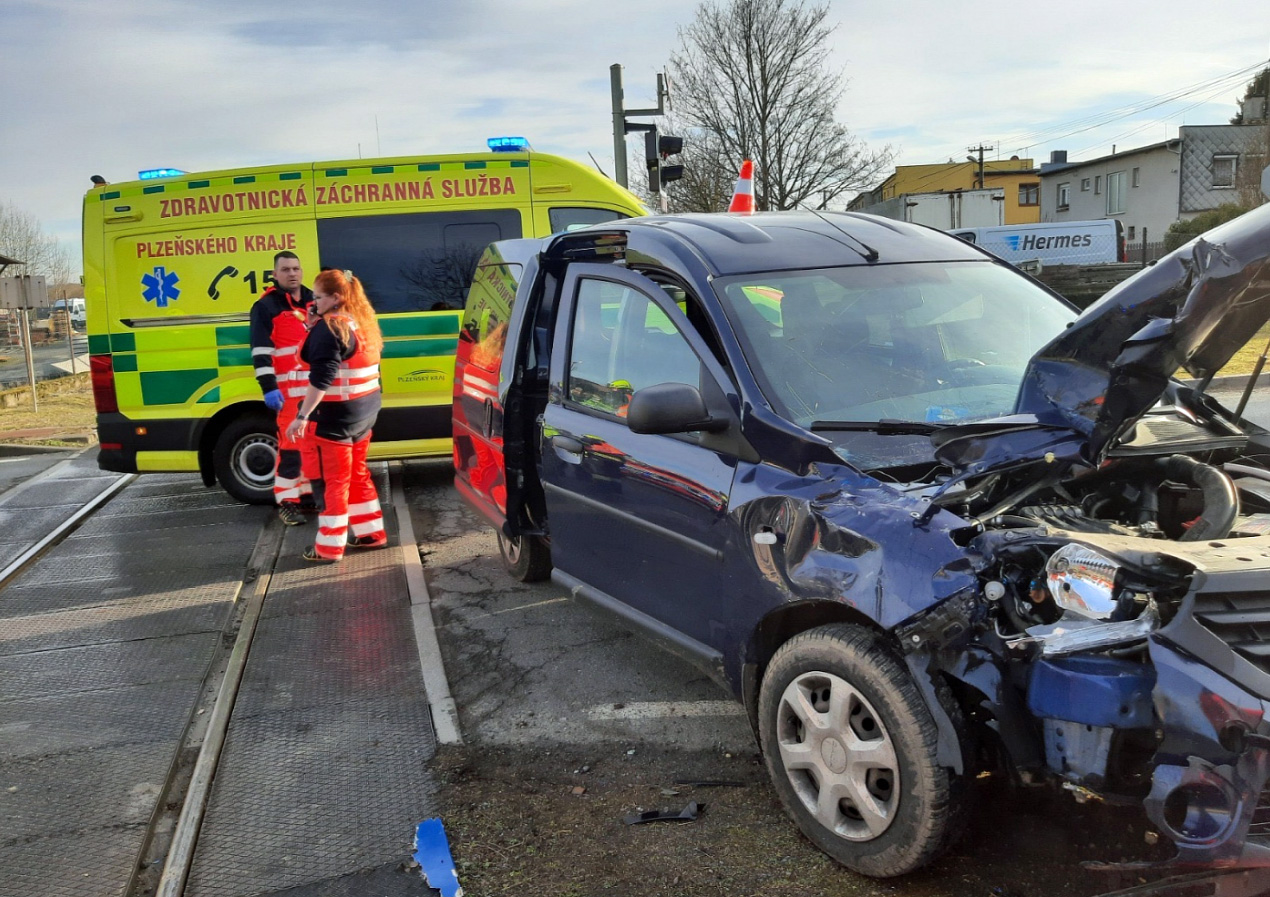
column 445, row 713
column 520, row 607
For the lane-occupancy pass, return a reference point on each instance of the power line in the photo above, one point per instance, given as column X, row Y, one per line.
column 1086, row 123
column 1154, row 121
column 1210, row 87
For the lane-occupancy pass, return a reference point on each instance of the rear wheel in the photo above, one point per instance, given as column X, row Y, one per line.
column 851, row 749
column 245, row 457
column 527, row 558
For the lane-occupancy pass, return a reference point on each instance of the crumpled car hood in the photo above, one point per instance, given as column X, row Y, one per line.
column 1193, row 309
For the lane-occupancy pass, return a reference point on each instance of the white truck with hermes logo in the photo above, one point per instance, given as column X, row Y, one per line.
column 1097, row 242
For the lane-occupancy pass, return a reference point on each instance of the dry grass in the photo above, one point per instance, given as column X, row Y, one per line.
column 1246, row 358
column 528, row 821
column 65, row 404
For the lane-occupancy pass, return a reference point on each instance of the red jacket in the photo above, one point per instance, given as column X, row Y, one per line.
column 277, row 332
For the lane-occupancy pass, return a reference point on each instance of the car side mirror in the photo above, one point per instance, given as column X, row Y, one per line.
column 671, row 408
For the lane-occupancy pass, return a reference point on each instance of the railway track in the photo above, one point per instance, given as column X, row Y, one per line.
column 130, row 624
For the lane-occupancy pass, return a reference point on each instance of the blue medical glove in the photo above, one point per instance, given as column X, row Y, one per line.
column 273, row 400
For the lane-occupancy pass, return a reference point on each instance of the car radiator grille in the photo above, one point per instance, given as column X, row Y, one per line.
column 1259, row 829
column 1241, row 620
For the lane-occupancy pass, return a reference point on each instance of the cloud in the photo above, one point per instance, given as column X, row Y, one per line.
column 110, row 88
column 975, row 72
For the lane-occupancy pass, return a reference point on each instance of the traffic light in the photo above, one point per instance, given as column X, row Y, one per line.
column 652, row 160
column 667, row 147
column 656, row 149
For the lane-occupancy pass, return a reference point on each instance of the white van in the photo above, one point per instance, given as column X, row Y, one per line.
column 1097, row 242
column 77, row 311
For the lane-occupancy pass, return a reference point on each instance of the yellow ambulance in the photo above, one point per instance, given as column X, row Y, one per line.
column 173, row 262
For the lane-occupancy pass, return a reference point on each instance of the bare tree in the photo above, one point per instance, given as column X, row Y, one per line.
column 23, row 238
column 1248, row 177
column 1255, row 157
column 752, row 75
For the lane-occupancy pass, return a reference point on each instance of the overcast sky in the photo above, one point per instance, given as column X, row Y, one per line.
column 95, row 87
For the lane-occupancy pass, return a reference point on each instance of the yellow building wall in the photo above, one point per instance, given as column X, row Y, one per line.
column 1008, row 174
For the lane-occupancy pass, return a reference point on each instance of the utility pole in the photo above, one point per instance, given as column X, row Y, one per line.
column 980, row 149
column 619, row 125
column 24, row 285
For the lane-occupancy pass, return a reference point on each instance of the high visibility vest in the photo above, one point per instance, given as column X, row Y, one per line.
column 358, row 374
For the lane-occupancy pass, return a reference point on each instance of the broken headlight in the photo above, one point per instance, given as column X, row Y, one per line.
column 1083, row 581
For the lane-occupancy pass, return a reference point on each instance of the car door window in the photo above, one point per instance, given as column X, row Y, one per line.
column 622, row 342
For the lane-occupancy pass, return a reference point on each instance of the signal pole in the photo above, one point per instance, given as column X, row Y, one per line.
column 620, row 126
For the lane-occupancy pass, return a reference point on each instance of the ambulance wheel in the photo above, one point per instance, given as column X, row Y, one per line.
column 245, row 456
column 527, row 558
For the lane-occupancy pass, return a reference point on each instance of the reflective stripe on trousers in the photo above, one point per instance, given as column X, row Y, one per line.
column 290, row 484
column 348, row 495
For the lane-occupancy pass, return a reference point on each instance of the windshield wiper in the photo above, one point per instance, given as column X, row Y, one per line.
column 884, row 427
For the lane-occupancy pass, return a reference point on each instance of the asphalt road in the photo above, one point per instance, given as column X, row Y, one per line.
column 20, row 463
column 13, row 370
column 1258, row 408
column 529, row 666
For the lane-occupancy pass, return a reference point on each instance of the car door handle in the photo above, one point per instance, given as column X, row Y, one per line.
column 568, row 444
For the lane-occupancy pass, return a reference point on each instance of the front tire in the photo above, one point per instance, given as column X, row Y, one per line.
column 245, row 457
column 527, row 558
column 852, row 751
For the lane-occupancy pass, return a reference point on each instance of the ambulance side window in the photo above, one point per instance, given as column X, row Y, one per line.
column 417, row 261
column 564, row 218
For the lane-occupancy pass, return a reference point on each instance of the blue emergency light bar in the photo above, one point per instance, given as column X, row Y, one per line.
column 507, row 145
column 151, row 173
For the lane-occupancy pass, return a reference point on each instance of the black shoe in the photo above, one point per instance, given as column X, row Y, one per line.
column 309, row 505
column 291, row 514
column 310, row 554
column 380, row 541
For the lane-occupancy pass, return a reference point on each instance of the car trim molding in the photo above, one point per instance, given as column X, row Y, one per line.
column 697, row 653
column 709, row 551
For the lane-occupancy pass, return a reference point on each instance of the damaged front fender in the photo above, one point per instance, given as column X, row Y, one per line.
column 839, row 536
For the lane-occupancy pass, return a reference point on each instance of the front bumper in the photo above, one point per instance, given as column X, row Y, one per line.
column 1212, row 700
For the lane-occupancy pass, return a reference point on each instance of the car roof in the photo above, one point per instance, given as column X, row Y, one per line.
column 774, row 241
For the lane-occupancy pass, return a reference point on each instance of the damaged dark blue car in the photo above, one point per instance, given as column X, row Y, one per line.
column 918, row 515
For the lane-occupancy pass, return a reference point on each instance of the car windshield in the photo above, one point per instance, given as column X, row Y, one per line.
column 934, row 343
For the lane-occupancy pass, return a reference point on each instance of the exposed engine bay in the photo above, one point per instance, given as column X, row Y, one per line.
column 1105, row 593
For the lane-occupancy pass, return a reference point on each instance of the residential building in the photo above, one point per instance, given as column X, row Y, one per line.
column 1138, row 186
column 1150, row 187
column 1216, row 161
column 1016, row 177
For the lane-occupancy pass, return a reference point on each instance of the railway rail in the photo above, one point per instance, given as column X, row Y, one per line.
column 187, row 708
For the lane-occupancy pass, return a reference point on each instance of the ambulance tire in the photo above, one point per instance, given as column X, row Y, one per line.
column 245, row 456
column 527, row 558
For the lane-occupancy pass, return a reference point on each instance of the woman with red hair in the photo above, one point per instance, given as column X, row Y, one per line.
column 342, row 351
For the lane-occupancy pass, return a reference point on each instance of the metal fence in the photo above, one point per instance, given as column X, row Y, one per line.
column 1144, row 253
column 56, row 347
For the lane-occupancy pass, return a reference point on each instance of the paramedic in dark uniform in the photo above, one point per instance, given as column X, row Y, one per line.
column 277, row 330
column 337, row 413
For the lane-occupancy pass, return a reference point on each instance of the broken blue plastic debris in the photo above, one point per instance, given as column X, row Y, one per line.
column 432, row 853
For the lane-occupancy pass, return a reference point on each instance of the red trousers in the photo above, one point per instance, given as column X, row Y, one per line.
column 290, row 483
column 349, row 501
